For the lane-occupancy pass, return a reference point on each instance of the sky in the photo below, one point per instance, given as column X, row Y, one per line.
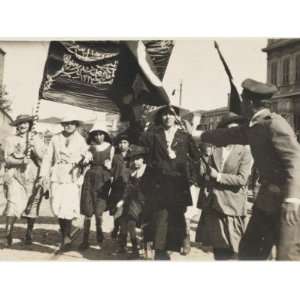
column 195, row 62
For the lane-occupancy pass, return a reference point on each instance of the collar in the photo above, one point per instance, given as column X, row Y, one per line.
column 171, row 129
column 101, row 147
column 258, row 116
column 228, row 148
column 170, row 134
column 139, row 172
column 124, row 153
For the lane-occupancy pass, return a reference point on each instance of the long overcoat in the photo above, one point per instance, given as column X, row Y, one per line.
column 171, row 176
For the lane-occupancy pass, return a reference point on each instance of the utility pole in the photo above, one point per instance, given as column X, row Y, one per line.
column 180, row 93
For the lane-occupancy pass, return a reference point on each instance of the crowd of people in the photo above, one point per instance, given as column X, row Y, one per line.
column 148, row 183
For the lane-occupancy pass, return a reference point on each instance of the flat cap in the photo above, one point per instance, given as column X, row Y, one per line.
column 137, row 151
column 123, row 137
column 259, row 90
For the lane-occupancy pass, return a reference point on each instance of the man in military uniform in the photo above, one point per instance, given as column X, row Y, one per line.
column 276, row 153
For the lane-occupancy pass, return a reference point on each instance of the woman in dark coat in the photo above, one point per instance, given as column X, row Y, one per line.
column 170, row 149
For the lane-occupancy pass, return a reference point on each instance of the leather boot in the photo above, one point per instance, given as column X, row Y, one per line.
column 115, row 231
column 10, row 221
column 62, row 230
column 67, row 237
column 28, row 236
column 161, row 255
column 65, row 227
column 122, row 243
column 135, row 248
column 86, row 233
column 186, row 245
column 99, row 231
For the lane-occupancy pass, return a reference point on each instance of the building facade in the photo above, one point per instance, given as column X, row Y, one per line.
column 211, row 118
column 283, row 70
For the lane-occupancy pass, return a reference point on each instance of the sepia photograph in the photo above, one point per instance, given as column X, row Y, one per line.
column 154, row 149
column 149, row 149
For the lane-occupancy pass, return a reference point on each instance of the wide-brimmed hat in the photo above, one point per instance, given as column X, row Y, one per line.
column 231, row 118
column 137, row 151
column 70, row 117
column 162, row 110
column 99, row 126
column 22, row 119
column 258, row 90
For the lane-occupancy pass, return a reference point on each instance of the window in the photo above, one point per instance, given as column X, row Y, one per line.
column 297, row 68
column 274, row 72
column 297, row 121
column 286, row 71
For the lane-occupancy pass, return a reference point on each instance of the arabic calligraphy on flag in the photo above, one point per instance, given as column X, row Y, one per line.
column 105, row 75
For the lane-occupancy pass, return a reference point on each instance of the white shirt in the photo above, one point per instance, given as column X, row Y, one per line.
column 225, row 153
column 139, row 172
column 170, row 134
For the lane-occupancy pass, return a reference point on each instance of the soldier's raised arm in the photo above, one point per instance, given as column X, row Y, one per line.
column 226, row 136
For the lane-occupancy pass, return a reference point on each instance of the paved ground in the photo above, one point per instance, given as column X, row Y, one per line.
column 47, row 237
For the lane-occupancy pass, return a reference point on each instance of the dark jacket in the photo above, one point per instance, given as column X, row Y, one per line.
column 276, row 154
column 137, row 195
column 171, row 176
column 229, row 195
column 120, row 172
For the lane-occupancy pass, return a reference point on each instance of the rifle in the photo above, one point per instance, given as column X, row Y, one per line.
column 184, row 128
column 234, row 99
column 36, row 197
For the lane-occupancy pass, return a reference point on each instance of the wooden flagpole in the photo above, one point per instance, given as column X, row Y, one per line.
column 30, row 137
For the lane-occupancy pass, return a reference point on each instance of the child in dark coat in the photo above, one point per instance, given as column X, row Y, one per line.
column 134, row 205
column 121, row 171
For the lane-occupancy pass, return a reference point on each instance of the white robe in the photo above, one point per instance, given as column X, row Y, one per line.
column 59, row 164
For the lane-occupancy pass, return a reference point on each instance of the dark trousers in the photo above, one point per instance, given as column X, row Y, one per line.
column 169, row 229
column 223, row 254
column 128, row 225
column 267, row 230
column 260, row 236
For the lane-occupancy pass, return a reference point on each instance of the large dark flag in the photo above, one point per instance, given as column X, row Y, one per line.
column 234, row 97
column 110, row 76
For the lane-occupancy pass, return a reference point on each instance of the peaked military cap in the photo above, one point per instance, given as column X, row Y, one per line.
column 259, row 90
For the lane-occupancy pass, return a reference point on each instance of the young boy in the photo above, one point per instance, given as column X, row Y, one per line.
column 135, row 199
column 121, row 172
